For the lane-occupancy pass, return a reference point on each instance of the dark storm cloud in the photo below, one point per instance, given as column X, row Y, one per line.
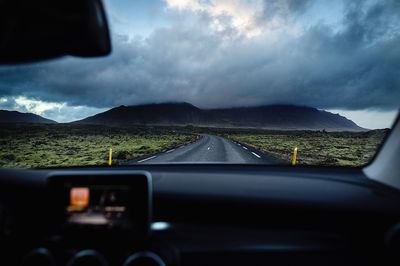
column 353, row 66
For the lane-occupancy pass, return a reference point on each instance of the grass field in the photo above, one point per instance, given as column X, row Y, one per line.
column 60, row 145
column 315, row 148
column 72, row 145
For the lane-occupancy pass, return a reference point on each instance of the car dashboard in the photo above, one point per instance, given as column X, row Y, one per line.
column 197, row 215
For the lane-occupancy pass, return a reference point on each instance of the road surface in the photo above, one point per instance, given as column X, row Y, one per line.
column 212, row 149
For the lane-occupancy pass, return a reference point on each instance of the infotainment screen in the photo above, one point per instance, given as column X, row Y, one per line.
column 91, row 200
column 99, row 205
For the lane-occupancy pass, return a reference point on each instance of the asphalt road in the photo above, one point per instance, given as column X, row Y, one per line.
column 212, row 149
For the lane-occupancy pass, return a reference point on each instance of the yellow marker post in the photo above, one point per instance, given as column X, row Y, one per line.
column 294, row 161
column 110, row 158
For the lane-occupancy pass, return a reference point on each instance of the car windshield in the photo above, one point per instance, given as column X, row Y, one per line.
column 277, row 82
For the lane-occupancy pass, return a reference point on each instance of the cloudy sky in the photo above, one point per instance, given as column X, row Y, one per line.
column 342, row 56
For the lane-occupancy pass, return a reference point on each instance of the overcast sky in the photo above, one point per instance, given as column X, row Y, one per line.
column 341, row 56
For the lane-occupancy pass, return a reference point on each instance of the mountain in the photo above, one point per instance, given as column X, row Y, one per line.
column 283, row 117
column 17, row 117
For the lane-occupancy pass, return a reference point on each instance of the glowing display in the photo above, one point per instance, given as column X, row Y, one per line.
column 98, row 205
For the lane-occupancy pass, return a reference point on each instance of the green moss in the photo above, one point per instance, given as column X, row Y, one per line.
column 316, row 148
column 25, row 146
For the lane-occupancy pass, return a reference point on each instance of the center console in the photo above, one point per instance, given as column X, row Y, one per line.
column 102, row 220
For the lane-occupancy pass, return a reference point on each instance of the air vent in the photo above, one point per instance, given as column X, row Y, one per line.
column 88, row 258
column 144, row 258
column 40, row 256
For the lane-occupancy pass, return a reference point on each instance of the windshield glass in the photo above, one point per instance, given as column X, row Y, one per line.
column 230, row 81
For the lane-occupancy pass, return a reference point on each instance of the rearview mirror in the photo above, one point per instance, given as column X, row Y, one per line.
column 43, row 29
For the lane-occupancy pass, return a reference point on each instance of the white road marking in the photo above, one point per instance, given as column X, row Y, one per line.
column 152, row 157
column 244, row 148
column 255, row 154
column 170, row 151
column 208, row 148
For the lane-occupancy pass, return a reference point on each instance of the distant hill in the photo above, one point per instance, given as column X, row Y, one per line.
column 282, row 117
column 17, row 117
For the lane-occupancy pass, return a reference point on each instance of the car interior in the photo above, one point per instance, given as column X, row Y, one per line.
column 183, row 214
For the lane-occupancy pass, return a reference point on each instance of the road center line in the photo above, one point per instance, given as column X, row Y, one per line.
column 170, row 151
column 244, row 148
column 152, row 157
column 255, row 154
